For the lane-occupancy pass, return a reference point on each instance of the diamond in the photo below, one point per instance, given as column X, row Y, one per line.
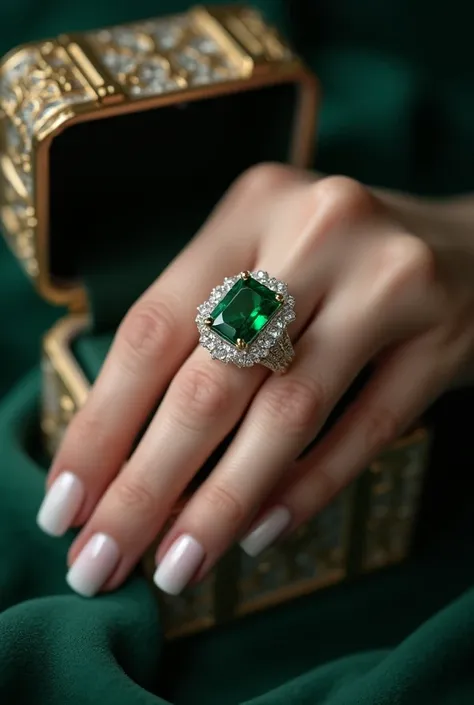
column 21, row 67
column 27, row 179
column 132, row 39
column 168, row 35
column 220, row 352
column 244, row 311
column 189, row 63
column 152, row 70
column 118, row 63
column 272, row 283
column 205, row 45
column 13, row 136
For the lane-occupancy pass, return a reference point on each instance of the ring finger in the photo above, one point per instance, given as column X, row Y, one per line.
column 203, row 403
column 283, row 419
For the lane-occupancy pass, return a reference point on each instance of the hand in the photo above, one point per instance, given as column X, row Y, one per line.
column 368, row 287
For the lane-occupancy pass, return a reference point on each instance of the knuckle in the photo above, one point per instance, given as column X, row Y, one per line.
column 135, row 495
column 263, row 180
column 380, row 428
column 406, row 260
column 225, row 502
column 201, row 396
column 421, row 260
column 146, row 331
column 87, row 430
column 341, row 198
column 293, row 404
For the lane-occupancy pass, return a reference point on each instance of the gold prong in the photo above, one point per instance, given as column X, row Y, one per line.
column 209, row 321
column 241, row 344
column 245, row 276
column 280, row 298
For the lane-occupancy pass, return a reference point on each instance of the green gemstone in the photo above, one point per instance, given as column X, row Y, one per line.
column 244, row 311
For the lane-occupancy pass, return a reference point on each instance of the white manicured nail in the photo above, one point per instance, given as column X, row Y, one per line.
column 93, row 565
column 179, row 565
column 265, row 533
column 61, row 504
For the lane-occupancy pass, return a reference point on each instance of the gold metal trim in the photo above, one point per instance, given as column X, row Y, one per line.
column 57, row 348
column 50, row 85
column 64, row 385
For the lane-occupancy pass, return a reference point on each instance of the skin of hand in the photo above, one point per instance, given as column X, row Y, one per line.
column 376, row 277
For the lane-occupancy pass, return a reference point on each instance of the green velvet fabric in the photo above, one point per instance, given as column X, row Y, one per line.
column 404, row 636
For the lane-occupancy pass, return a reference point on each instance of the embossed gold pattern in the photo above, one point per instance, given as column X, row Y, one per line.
column 280, row 356
column 36, row 85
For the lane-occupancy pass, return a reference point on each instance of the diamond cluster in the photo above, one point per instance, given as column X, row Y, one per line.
column 260, row 347
column 162, row 56
column 35, row 86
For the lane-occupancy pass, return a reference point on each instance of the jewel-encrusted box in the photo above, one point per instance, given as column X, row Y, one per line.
column 114, row 147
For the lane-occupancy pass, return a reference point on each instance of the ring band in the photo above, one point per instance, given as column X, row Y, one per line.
column 245, row 321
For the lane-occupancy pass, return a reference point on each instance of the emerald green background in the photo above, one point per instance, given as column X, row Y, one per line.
column 398, row 80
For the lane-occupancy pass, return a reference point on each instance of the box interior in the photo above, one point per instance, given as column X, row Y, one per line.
column 127, row 193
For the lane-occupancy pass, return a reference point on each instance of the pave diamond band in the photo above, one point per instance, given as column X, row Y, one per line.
column 280, row 357
column 244, row 321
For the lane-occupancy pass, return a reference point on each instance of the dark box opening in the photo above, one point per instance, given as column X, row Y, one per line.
column 127, row 193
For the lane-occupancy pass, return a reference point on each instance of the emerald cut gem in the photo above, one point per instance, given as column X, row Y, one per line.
column 244, row 311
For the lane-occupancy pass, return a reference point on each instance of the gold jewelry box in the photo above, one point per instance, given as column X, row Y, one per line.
column 114, row 147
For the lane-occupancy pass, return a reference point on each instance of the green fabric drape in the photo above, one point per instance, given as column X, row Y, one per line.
column 398, row 81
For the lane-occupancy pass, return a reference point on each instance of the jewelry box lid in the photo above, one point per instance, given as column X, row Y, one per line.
column 48, row 86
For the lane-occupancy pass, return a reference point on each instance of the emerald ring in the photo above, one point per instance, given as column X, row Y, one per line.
column 245, row 321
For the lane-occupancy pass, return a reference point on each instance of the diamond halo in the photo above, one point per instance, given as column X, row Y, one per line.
column 265, row 340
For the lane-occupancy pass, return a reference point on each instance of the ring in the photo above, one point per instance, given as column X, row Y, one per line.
column 245, row 319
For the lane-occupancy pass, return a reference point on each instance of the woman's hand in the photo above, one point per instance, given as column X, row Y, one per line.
column 374, row 279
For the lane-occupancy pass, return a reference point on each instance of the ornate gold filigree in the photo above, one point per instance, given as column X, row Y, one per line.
column 18, row 216
column 100, row 74
column 280, row 355
column 37, row 83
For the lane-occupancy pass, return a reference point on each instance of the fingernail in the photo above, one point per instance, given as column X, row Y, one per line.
column 93, row 565
column 61, row 504
column 179, row 564
column 265, row 533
